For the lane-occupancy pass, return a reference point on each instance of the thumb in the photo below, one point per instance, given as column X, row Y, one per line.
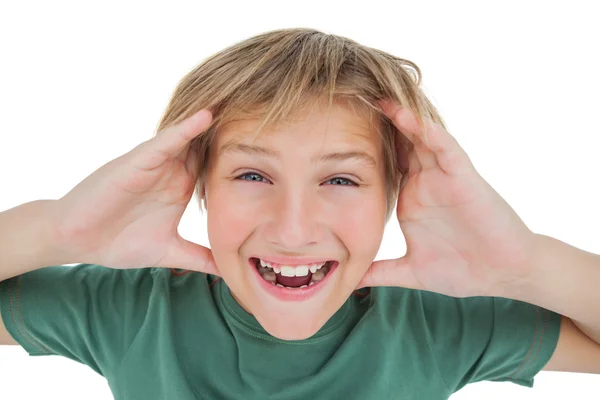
column 190, row 256
column 397, row 272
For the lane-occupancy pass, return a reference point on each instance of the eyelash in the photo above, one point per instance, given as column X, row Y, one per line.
column 241, row 177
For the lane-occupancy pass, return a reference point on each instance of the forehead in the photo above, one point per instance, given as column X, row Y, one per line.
column 342, row 126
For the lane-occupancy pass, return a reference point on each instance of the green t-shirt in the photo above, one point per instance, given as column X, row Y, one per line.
column 155, row 335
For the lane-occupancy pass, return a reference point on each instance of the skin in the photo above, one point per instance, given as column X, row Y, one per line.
column 291, row 204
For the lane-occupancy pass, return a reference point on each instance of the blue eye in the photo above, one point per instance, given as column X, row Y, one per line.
column 255, row 177
column 342, row 181
column 252, row 176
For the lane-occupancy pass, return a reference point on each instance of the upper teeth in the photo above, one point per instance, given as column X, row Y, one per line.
column 288, row 270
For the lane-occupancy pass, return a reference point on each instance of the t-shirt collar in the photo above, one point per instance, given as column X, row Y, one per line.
column 231, row 307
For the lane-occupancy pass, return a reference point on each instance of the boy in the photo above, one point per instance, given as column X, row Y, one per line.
column 296, row 143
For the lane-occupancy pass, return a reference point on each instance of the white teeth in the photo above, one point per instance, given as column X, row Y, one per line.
column 288, row 270
column 269, row 271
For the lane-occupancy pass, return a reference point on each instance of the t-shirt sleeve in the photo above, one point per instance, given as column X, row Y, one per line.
column 490, row 338
column 88, row 313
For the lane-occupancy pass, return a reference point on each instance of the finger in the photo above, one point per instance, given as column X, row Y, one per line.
column 173, row 142
column 415, row 163
column 190, row 256
column 410, row 125
column 390, row 273
column 434, row 145
column 420, row 156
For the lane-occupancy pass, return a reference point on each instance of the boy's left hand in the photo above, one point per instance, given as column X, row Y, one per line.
column 462, row 238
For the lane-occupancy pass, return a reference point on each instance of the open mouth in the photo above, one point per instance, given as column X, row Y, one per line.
column 299, row 276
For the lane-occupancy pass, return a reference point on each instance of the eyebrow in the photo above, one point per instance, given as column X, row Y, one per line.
column 235, row 147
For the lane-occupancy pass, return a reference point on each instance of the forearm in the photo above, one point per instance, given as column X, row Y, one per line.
column 26, row 239
column 565, row 280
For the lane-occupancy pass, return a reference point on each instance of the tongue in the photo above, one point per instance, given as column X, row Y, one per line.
column 293, row 281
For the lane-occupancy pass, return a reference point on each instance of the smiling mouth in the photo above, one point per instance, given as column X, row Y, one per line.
column 292, row 276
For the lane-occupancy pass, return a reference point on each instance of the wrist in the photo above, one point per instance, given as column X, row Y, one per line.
column 534, row 271
column 52, row 250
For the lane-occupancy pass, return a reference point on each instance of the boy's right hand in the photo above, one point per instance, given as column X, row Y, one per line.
column 126, row 213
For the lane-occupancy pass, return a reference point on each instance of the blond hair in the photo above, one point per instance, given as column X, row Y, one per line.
column 277, row 73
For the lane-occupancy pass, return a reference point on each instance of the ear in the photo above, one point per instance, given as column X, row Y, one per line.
column 204, row 196
column 403, row 148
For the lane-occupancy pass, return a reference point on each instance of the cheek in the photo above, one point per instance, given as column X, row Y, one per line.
column 360, row 224
column 231, row 217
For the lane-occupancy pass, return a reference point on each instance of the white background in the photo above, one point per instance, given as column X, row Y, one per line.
column 517, row 82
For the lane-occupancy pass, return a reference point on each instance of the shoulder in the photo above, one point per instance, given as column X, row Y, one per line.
column 432, row 312
column 427, row 301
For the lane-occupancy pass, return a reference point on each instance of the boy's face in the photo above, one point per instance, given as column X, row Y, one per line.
column 303, row 193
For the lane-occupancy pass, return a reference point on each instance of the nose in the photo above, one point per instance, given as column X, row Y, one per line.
column 295, row 223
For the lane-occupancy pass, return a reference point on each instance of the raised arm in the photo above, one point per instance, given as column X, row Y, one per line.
column 124, row 215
